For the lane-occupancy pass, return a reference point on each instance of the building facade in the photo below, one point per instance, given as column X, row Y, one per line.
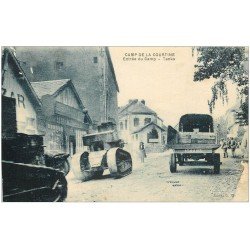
column 27, row 104
column 65, row 118
column 138, row 123
column 90, row 69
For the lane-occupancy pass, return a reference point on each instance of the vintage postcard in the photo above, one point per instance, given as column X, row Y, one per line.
column 108, row 124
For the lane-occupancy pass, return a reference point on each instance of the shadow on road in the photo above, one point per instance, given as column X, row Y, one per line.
column 202, row 168
column 103, row 177
column 195, row 171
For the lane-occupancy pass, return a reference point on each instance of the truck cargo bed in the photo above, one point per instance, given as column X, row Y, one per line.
column 191, row 146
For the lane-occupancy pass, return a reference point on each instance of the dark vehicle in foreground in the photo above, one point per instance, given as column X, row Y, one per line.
column 25, row 176
column 194, row 141
column 28, row 182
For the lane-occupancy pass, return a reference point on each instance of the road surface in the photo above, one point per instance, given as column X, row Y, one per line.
column 153, row 181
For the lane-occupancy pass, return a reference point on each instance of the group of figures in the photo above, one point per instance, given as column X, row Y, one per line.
column 229, row 143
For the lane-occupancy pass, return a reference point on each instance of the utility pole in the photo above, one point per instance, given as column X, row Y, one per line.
column 104, row 83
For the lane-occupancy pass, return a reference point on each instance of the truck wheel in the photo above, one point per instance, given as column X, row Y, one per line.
column 119, row 162
column 209, row 158
column 172, row 163
column 216, row 163
column 98, row 174
column 125, row 164
column 66, row 167
column 180, row 159
column 87, row 175
column 61, row 190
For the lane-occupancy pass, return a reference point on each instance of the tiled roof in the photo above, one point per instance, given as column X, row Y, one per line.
column 136, row 107
column 48, row 87
column 123, row 108
column 141, row 108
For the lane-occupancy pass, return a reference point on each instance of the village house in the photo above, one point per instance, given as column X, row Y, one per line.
column 24, row 114
column 66, row 119
column 90, row 69
column 138, row 123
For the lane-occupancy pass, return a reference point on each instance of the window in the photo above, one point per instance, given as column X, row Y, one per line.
column 147, row 121
column 121, row 126
column 136, row 122
column 58, row 65
column 20, row 100
column 153, row 134
column 30, row 122
column 95, row 59
column 126, row 124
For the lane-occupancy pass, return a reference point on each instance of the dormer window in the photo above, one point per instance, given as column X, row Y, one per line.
column 147, row 121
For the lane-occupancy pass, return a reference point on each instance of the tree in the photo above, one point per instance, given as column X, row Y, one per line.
column 224, row 64
column 221, row 126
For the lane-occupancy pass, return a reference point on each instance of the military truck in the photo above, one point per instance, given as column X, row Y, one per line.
column 195, row 140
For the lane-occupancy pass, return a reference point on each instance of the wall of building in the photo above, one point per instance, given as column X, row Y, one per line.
column 141, row 118
column 125, row 134
column 62, row 138
column 143, row 135
column 132, row 141
column 112, row 102
column 25, row 111
column 64, row 123
column 87, row 67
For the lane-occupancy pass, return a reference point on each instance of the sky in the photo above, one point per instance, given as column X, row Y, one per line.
column 167, row 86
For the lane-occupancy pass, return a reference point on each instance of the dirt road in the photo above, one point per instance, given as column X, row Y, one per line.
column 153, row 181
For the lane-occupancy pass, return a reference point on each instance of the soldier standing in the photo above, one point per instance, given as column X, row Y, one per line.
column 142, row 151
column 224, row 146
column 233, row 146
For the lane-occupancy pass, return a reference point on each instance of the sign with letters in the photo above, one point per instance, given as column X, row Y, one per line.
column 153, row 140
column 20, row 98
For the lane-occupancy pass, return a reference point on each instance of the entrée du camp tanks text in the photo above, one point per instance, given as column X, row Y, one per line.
column 148, row 56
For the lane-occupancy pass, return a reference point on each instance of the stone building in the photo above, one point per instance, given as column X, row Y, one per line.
column 65, row 118
column 27, row 106
column 138, row 123
column 90, row 69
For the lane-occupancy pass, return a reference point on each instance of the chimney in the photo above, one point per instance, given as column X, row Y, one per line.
column 132, row 100
column 143, row 102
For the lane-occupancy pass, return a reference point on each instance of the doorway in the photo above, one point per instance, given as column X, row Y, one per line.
column 72, row 145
